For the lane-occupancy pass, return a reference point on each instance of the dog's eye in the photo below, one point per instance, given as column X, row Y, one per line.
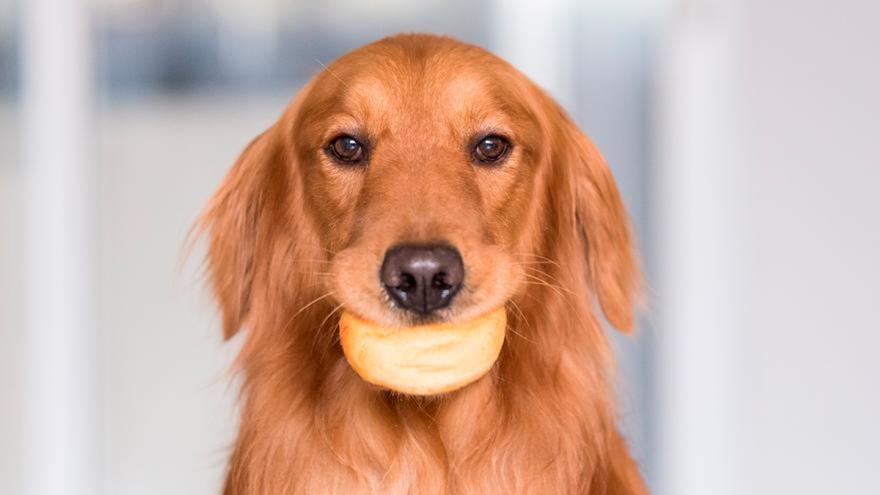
column 491, row 149
column 346, row 149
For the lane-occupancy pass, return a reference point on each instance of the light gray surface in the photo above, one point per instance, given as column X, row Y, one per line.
column 769, row 244
column 811, row 84
column 169, row 415
column 167, row 411
column 10, row 314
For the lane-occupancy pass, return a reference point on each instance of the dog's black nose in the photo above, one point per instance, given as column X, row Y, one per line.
column 422, row 278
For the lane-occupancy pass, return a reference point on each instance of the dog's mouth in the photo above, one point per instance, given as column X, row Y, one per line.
column 423, row 359
column 428, row 320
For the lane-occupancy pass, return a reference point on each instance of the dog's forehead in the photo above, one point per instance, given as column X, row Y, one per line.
column 431, row 89
column 423, row 88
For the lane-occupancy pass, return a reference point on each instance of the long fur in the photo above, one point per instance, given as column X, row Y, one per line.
column 543, row 420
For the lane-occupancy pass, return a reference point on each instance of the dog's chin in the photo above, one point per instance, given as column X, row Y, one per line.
column 419, row 400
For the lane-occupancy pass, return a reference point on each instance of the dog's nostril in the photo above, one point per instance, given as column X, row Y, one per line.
column 440, row 281
column 422, row 278
column 407, row 282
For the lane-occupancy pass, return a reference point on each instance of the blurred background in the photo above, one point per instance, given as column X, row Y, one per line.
column 743, row 135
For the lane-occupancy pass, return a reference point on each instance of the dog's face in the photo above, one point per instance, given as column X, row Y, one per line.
column 420, row 174
column 426, row 175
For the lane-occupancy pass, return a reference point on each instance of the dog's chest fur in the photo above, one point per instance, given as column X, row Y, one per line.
column 368, row 442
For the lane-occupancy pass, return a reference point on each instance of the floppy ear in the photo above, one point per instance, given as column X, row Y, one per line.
column 603, row 227
column 233, row 220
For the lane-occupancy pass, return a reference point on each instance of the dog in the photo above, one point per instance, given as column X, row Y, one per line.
column 438, row 149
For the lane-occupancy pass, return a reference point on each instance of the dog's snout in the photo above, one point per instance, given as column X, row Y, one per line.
column 422, row 279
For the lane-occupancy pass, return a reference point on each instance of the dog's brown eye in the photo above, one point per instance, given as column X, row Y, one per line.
column 346, row 149
column 491, row 149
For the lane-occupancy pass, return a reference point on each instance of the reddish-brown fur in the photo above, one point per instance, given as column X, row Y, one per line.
column 294, row 237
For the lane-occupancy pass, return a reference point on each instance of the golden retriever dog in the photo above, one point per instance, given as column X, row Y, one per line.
column 420, row 147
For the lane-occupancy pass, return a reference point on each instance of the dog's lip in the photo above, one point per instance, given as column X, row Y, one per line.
column 419, row 321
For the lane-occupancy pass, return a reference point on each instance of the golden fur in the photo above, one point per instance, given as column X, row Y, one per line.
column 294, row 237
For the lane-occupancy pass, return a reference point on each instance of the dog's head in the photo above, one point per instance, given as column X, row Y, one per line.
column 417, row 178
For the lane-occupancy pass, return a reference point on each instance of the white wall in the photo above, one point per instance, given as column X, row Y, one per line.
column 769, row 243
column 167, row 414
column 11, row 376
column 168, row 398
column 59, row 339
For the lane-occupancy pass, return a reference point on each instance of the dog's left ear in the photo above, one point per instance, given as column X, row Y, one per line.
column 603, row 227
column 236, row 226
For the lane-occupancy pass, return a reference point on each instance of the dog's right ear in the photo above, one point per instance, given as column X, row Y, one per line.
column 602, row 224
column 233, row 221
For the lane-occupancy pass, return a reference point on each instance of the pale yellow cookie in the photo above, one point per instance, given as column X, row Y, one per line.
column 423, row 360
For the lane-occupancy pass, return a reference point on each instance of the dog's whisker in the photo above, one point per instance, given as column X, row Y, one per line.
column 319, row 332
column 546, row 286
column 538, row 256
column 556, row 281
column 538, row 271
column 520, row 335
column 329, row 315
column 522, row 317
column 561, row 291
column 537, row 267
column 307, row 306
column 565, row 300
column 331, row 336
column 528, row 263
